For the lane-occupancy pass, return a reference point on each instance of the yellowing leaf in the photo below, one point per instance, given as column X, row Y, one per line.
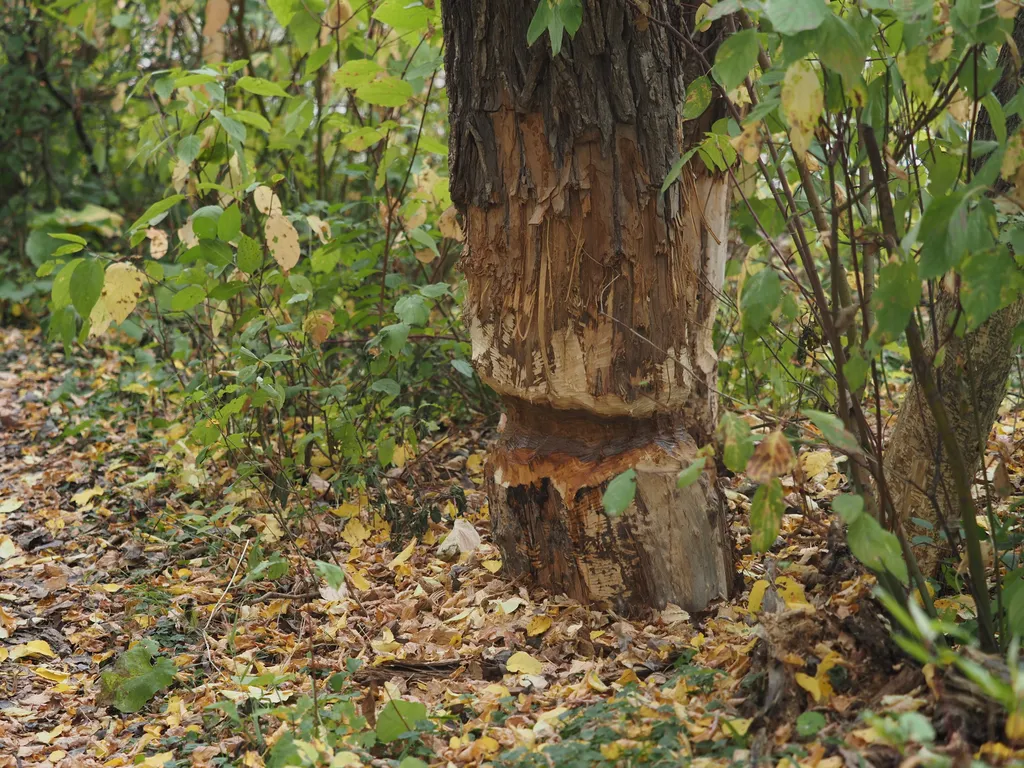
column 492, row 565
column 594, row 682
column 122, row 287
column 84, row 497
column 538, row 625
column 815, row 462
column 7, row 547
column 522, row 662
column 32, row 648
column 404, row 555
column 267, row 202
column 283, row 242
column 1013, row 157
column 158, row 760
column 802, row 104
column 158, row 242
column 772, row 457
column 11, row 505
column 820, row 686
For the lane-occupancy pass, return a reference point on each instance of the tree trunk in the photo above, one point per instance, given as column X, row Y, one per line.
column 972, row 379
column 592, row 295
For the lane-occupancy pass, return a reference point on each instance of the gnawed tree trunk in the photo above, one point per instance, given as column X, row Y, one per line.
column 972, row 379
column 591, row 295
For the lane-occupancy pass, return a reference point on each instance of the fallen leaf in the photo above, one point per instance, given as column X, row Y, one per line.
column 521, row 661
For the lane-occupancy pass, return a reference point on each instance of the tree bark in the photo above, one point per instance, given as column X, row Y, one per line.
column 972, row 379
column 591, row 294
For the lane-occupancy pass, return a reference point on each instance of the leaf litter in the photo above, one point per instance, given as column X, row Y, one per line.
column 142, row 622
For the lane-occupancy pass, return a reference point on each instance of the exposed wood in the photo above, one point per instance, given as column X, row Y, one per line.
column 592, row 295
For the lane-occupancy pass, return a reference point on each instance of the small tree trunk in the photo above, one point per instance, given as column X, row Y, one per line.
column 592, row 295
column 972, row 379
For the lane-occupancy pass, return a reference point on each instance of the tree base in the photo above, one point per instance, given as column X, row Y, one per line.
column 546, row 480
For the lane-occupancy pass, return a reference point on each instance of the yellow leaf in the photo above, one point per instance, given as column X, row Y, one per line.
column 109, row 588
column 594, row 682
column 346, row 510
column 84, row 497
column 122, row 287
column 1013, row 156
column 521, row 661
column 358, row 580
column 7, row 547
column 538, row 625
column 355, row 532
column 809, row 684
column 158, row 760
column 474, row 464
column 13, row 504
column 404, row 555
column 32, row 648
column 757, row 595
column 53, row 675
column 802, row 104
column 492, row 565
column 283, row 242
column 792, row 593
column 816, row 462
column 158, row 242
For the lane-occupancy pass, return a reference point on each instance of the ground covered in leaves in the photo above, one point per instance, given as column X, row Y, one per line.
column 153, row 612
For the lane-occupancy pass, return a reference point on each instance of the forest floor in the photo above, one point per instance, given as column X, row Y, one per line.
column 112, row 538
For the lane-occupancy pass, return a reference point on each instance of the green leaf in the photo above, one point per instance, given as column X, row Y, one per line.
column 387, row 386
column 832, row 429
column 251, row 118
column 187, row 298
column 155, row 210
column 393, row 338
column 250, row 255
column 87, row 286
column 809, row 723
column 936, row 254
column 356, row 72
column 319, row 57
column 68, row 237
column 840, row 49
column 898, row 292
column 404, row 15
column 759, row 299
column 261, row 87
column 60, row 293
column 698, row 98
column 135, row 677
column 620, row 493
column 737, row 442
column 229, row 225
column 412, row 310
column 792, row 16
column 571, row 12
column 735, row 58
column 539, row 22
column 283, row 10
column 232, row 128
column 189, row 148
column 388, row 91
column 398, row 717
column 990, row 280
column 877, row 548
column 690, row 475
column 676, row 169
column 766, row 511
column 331, row 573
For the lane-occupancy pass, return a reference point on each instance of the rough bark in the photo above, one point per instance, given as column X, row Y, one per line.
column 972, row 379
column 591, row 295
